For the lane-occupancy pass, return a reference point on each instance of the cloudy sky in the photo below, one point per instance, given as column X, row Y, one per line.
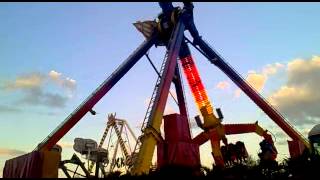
column 53, row 55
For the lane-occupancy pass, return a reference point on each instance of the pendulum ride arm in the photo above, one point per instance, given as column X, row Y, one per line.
column 211, row 122
column 88, row 104
column 215, row 59
column 230, row 129
column 142, row 163
column 197, row 88
column 247, row 128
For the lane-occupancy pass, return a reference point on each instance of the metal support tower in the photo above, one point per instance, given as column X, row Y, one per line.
column 168, row 31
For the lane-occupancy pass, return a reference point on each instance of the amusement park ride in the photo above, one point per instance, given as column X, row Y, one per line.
column 176, row 146
column 97, row 155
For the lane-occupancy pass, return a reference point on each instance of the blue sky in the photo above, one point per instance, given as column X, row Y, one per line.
column 85, row 42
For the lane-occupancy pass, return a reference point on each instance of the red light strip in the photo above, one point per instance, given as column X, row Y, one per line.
column 195, row 84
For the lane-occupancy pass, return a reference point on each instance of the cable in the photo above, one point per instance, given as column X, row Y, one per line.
column 155, row 69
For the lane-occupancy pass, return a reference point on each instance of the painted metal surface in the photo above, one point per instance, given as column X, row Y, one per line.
column 177, row 148
column 197, row 88
column 180, row 93
column 148, row 142
column 212, row 125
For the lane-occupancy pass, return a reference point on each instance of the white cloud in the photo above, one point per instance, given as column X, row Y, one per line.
column 37, row 96
column 255, row 80
column 10, row 152
column 65, row 144
column 271, row 69
column 287, row 94
column 33, row 87
column 237, row 93
column 223, row 85
column 299, row 98
column 26, row 81
column 258, row 79
column 54, row 75
column 67, row 83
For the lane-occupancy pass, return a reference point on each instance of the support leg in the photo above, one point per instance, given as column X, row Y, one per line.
column 148, row 142
column 88, row 104
column 180, row 93
column 215, row 146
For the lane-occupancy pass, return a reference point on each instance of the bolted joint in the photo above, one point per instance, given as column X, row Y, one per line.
column 149, row 130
